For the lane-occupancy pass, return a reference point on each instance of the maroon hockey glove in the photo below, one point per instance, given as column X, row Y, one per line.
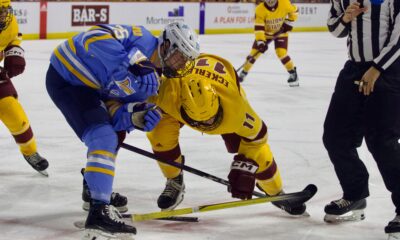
column 3, row 76
column 261, row 46
column 14, row 61
column 242, row 177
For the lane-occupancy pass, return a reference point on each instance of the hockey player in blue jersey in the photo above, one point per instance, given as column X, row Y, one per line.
column 94, row 70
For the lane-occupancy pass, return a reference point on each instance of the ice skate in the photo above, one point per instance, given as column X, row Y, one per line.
column 343, row 210
column 242, row 75
column 293, row 78
column 117, row 200
column 393, row 229
column 104, row 222
column 38, row 163
column 173, row 193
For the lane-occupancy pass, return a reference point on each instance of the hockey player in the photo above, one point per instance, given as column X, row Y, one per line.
column 273, row 21
column 106, row 64
column 210, row 100
column 11, row 112
column 365, row 104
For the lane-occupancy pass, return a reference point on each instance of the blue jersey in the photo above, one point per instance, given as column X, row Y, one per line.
column 99, row 58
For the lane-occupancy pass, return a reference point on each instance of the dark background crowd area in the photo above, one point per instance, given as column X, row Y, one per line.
column 251, row 1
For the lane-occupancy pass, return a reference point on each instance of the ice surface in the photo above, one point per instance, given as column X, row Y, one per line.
column 34, row 207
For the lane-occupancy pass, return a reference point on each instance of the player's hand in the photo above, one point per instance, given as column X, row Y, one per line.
column 242, row 177
column 145, row 116
column 352, row 11
column 148, row 78
column 367, row 83
column 261, row 46
column 14, row 61
column 3, row 76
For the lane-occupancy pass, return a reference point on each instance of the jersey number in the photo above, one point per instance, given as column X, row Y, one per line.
column 218, row 67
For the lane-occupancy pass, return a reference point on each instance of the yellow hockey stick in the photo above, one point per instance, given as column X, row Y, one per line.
column 307, row 193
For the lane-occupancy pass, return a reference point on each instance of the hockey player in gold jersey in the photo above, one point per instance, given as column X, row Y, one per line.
column 273, row 21
column 211, row 100
column 11, row 112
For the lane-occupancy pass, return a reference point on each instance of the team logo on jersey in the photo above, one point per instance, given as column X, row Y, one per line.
column 89, row 15
column 125, row 86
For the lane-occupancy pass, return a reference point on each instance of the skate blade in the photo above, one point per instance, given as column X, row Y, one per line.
column 94, row 234
column 294, row 84
column 355, row 215
column 394, row 236
column 44, row 173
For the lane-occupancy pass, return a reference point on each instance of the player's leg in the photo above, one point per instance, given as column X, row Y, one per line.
column 281, row 49
column 15, row 119
column 250, row 60
column 164, row 140
column 87, row 116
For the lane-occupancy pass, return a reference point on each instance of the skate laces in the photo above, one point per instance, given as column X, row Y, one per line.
column 173, row 187
column 396, row 219
column 33, row 159
column 342, row 202
column 113, row 214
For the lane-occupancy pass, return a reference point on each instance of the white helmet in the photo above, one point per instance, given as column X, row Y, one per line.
column 182, row 39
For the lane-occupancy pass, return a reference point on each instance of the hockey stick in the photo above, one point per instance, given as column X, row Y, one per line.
column 182, row 166
column 307, row 193
column 251, row 56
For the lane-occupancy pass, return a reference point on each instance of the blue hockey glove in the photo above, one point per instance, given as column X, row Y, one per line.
column 139, row 115
column 148, row 77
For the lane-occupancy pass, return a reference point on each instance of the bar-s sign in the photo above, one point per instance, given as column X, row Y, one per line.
column 86, row 15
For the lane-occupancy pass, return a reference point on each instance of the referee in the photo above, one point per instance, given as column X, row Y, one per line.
column 365, row 104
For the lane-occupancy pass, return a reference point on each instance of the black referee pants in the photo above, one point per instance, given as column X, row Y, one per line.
column 352, row 116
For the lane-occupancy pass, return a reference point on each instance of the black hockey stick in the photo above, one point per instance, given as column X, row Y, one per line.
column 307, row 194
column 247, row 59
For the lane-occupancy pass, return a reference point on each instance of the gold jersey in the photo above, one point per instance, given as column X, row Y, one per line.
column 238, row 120
column 238, row 115
column 9, row 37
column 269, row 21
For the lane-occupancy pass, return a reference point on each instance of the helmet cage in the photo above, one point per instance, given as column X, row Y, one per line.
column 182, row 41
column 6, row 16
column 271, row 3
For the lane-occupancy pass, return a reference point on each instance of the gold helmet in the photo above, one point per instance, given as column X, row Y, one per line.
column 6, row 14
column 200, row 104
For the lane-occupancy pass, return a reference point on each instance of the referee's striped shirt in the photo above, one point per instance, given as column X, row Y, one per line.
column 373, row 35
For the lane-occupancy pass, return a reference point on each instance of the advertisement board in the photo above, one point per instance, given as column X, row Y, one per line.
column 236, row 17
column 27, row 14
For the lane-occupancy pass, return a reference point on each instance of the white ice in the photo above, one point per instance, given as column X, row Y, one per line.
column 35, row 207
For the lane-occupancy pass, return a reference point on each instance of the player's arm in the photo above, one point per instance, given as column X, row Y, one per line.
column 259, row 24
column 336, row 25
column 291, row 18
column 14, row 54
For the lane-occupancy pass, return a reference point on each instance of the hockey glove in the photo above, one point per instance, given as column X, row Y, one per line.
column 3, row 76
column 139, row 115
column 242, row 177
column 14, row 61
column 261, row 46
column 148, row 76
